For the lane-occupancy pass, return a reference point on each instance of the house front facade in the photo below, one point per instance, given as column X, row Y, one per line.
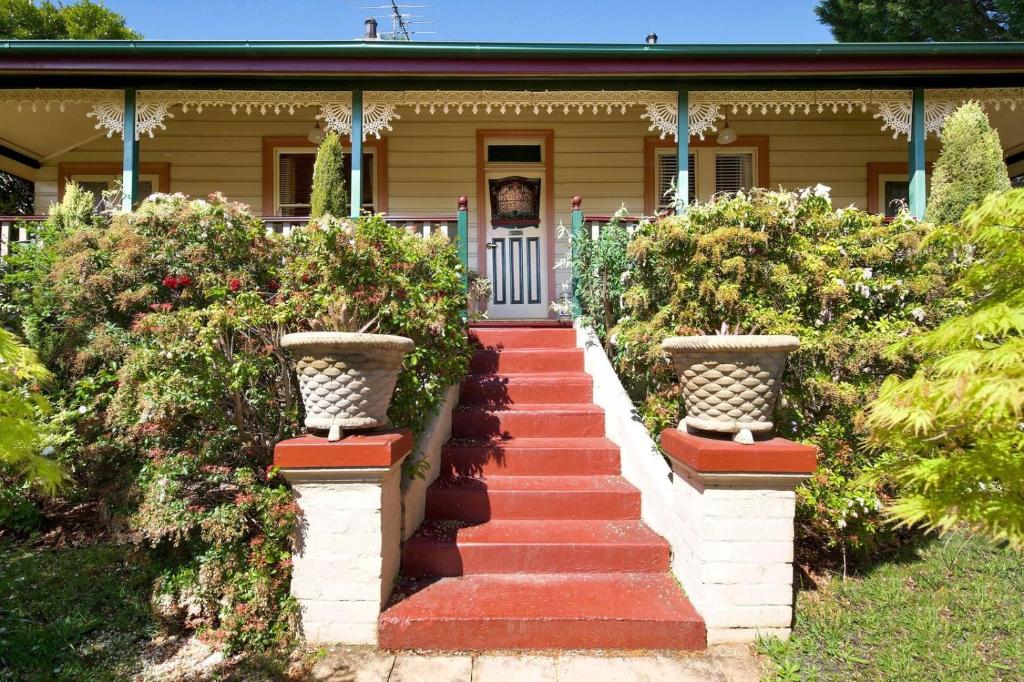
column 518, row 130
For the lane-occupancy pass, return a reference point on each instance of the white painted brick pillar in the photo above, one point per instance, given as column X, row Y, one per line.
column 348, row 539
column 734, row 537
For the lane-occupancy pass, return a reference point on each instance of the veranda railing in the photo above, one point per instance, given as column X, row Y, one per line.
column 19, row 229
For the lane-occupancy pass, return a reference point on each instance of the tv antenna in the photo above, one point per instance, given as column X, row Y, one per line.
column 402, row 22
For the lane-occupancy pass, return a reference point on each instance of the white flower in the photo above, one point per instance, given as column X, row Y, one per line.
column 48, row 450
column 867, row 273
column 82, row 409
column 841, row 523
column 917, row 314
column 821, row 190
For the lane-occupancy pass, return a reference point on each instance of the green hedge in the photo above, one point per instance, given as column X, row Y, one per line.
column 162, row 327
column 846, row 282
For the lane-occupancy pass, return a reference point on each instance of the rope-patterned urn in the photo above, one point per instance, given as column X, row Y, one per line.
column 346, row 379
column 730, row 383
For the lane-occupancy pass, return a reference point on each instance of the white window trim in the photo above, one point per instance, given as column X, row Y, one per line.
column 312, row 152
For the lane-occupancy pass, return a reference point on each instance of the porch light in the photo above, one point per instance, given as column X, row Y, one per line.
column 726, row 135
column 316, row 133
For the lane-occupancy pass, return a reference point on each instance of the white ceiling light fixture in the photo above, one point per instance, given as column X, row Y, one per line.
column 316, row 133
column 726, row 135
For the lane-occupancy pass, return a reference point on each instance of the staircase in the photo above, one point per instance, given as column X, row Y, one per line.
column 532, row 538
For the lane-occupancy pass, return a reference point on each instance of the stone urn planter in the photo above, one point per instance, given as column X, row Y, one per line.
column 346, row 379
column 730, row 383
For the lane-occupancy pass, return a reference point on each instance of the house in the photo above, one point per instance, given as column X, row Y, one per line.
column 443, row 120
column 501, row 144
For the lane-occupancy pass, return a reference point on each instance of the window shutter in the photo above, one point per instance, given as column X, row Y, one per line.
column 733, row 172
column 295, row 183
column 667, row 177
column 366, row 201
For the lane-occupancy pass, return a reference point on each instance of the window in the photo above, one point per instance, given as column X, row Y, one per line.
column 97, row 178
column 288, row 175
column 733, row 172
column 889, row 188
column 514, row 153
column 294, row 180
column 712, row 172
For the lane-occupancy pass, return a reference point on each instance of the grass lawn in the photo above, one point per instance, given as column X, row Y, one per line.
column 72, row 614
column 949, row 609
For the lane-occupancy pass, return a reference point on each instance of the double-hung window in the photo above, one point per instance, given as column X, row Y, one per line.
column 291, row 184
column 713, row 171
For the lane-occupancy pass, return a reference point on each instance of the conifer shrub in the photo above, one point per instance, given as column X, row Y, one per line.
column 162, row 328
column 970, row 165
column 329, row 194
column 846, row 282
column 952, row 432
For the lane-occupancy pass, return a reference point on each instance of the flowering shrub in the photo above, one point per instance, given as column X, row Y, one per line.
column 163, row 328
column 844, row 281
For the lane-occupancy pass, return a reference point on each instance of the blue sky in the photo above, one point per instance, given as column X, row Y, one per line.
column 675, row 21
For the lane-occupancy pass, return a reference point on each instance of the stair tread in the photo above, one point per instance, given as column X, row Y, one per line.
column 536, row 532
column 538, row 377
column 568, row 444
column 500, row 483
column 575, row 408
column 537, row 596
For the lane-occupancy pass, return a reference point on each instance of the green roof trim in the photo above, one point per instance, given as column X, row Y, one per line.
column 383, row 48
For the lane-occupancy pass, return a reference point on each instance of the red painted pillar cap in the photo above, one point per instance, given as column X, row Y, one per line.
column 723, row 455
column 360, row 450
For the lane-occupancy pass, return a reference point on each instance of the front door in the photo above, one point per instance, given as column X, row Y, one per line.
column 516, row 241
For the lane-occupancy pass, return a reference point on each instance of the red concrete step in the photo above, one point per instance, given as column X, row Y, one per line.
column 523, row 337
column 531, row 457
column 560, row 611
column 534, row 361
column 447, row 548
column 528, row 421
column 500, row 391
column 532, row 497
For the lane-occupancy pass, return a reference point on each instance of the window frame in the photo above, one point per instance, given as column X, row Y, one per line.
column 879, row 172
column 704, row 152
column 160, row 172
column 273, row 147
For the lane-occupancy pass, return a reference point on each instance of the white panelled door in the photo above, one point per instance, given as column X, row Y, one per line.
column 516, row 250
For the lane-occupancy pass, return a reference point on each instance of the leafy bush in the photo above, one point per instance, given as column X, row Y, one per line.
column 970, row 165
column 846, row 282
column 21, row 407
column 163, row 329
column 598, row 267
column 954, row 431
column 329, row 195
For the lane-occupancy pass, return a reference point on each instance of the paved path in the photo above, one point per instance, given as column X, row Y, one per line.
column 719, row 664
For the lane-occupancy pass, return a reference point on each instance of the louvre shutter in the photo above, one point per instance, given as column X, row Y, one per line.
column 733, row 172
column 294, row 183
column 667, row 170
column 366, row 201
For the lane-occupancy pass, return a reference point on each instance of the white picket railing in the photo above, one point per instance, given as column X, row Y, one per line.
column 595, row 223
column 16, row 230
column 424, row 226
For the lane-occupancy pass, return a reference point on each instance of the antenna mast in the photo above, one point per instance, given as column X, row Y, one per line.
column 402, row 22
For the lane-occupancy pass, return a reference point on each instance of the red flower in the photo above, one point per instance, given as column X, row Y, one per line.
column 306, row 277
column 171, row 282
column 274, row 285
column 235, row 284
column 184, row 281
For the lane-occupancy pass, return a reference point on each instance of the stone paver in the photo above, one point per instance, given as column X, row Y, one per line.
column 732, row 663
column 524, row 668
column 354, row 664
column 417, row 668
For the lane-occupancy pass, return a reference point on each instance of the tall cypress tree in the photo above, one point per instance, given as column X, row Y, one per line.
column 329, row 193
column 970, row 166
